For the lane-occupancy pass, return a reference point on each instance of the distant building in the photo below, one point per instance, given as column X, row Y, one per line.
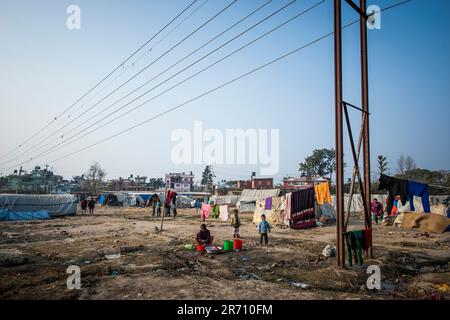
column 243, row 184
column 255, row 183
column 132, row 183
column 298, row 183
column 180, row 182
column 37, row 181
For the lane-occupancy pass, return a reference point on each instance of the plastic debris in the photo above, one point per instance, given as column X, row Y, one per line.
column 300, row 285
column 112, row 256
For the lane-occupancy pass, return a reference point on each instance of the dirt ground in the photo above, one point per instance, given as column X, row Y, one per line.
column 34, row 257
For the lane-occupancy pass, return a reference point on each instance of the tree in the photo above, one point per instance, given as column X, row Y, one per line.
column 231, row 184
column 405, row 164
column 94, row 177
column 382, row 164
column 207, row 177
column 322, row 162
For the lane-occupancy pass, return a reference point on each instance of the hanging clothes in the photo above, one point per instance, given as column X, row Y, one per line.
column 322, row 191
column 167, row 202
column 420, row 190
column 354, row 241
column 223, row 213
column 395, row 187
column 268, row 204
column 302, row 209
column 302, row 199
column 204, row 211
column 287, row 208
column 215, row 212
column 367, row 239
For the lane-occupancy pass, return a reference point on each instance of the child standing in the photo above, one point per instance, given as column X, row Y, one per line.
column 264, row 228
column 236, row 223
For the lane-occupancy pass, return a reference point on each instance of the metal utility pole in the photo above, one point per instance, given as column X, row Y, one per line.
column 365, row 107
column 339, row 135
column 339, row 105
column 18, row 180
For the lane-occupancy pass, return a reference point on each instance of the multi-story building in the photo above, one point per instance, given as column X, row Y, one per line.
column 297, row 183
column 131, row 183
column 37, row 181
column 243, row 184
column 180, row 182
column 255, row 183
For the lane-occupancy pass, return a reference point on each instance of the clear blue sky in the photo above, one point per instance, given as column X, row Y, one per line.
column 46, row 67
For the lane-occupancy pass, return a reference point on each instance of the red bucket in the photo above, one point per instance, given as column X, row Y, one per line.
column 237, row 244
column 200, row 248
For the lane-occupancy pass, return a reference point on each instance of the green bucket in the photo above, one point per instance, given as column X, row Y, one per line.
column 228, row 245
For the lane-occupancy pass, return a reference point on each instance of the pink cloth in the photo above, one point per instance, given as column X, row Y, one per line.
column 287, row 208
column 205, row 211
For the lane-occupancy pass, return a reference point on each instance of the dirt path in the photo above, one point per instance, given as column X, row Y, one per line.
column 154, row 265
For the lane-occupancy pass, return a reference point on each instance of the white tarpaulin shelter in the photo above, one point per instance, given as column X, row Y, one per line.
column 227, row 199
column 247, row 201
column 55, row 204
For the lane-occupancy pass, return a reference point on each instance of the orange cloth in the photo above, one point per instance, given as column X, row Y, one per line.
column 322, row 192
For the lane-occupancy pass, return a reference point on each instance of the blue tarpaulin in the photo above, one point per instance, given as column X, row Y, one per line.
column 101, row 199
column 11, row 215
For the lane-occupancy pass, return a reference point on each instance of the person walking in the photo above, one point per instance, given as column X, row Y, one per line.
column 83, row 204
column 91, row 205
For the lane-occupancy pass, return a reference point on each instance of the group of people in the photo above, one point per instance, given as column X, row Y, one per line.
column 204, row 236
column 170, row 205
column 85, row 204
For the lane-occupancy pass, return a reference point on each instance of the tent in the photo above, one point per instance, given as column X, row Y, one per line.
column 112, row 200
column 227, row 199
column 54, row 204
column 11, row 215
column 248, row 198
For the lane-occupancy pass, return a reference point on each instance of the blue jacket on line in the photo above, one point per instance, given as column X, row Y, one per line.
column 420, row 190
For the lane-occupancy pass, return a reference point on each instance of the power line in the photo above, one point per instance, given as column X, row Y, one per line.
column 146, row 52
column 218, row 87
column 178, row 84
column 28, row 151
column 172, row 30
column 101, row 81
column 142, row 70
column 52, row 149
column 197, row 97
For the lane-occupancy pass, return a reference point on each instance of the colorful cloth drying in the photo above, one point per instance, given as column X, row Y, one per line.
column 204, row 211
column 287, row 208
column 302, row 215
column 223, row 213
column 367, row 239
column 268, row 205
column 420, row 190
column 354, row 241
column 322, row 192
column 395, row 187
column 215, row 212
